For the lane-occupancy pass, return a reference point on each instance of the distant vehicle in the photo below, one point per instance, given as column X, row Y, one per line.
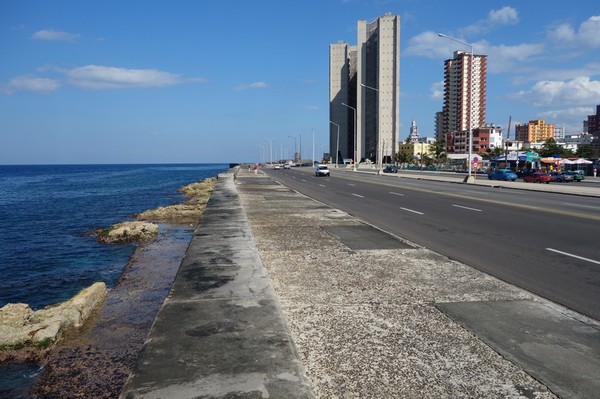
column 538, row 177
column 525, row 172
column 390, row 169
column 322, row 170
column 503, row 174
column 561, row 177
column 286, row 166
column 576, row 175
column 277, row 167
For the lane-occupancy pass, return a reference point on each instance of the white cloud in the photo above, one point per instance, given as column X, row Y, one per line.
column 103, row 77
column 53, row 35
column 249, row 86
column 437, row 90
column 30, row 83
column 495, row 18
column 588, row 34
column 579, row 91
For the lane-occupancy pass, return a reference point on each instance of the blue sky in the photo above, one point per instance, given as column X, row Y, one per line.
column 216, row 80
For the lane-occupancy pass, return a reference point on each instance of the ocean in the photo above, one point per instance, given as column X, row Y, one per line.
column 47, row 215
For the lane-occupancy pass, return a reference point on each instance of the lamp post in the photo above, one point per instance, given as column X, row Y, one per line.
column 355, row 143
column 380, row 161
column 337, row 147
column 295, row 153
column 468, row 179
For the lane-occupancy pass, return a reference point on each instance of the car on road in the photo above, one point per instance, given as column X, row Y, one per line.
column 286, row 166
column 322, row 170
column 561, row 177
column 390, row 169
column 277, row 167
column 576, row 175
column 503, row 174
column 538, row 177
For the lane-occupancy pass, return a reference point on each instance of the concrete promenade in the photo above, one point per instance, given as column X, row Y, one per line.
column 280, row 296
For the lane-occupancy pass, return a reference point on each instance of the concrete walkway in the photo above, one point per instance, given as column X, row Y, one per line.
column 280, row 296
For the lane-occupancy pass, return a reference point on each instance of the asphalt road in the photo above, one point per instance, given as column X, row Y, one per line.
column 546, row 243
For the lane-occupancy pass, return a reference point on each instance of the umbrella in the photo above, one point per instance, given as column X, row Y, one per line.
column 581, row 161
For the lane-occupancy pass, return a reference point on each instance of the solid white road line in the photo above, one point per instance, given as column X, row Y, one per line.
column 582, row 206
column 413, row 211
column 359, row 196
column 466, row 207
column 573, row 256
column 391, row 192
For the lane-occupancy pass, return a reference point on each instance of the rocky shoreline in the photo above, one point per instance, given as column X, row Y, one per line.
column 93, row 354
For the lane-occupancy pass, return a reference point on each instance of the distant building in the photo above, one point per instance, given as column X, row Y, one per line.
column 559, row 133
column 487, row 137
column 416, row 149
column 461, row 112
column 413, row 136
column 366, row 78
column 535, row 131
column 439, row 131
column 592, row 127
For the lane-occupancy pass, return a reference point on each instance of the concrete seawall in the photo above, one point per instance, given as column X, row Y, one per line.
column 220, row 333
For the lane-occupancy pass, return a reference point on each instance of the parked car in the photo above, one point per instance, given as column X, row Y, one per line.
column 525, row 172
column 322, row 170
column 391, row 169
column 561, row 177
column 503, row 174
column 538, row 177
column 576, row 175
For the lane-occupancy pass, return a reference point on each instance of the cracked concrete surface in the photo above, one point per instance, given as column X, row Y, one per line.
column 364, row 322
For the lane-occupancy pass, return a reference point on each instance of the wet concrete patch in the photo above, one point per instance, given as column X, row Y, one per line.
column 365, row 237
column 538, row 338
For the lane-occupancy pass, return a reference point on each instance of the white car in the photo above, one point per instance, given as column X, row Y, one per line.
column 322, row 170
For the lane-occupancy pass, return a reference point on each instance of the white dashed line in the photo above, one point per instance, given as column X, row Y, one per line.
column 391, row 192
column 357, row 195
column 411, row 210
column 466, row 207
column 322, row 185
column 573, row 256
column 353, row 185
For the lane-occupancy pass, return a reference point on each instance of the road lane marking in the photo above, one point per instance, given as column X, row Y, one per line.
column 582, row 206
column 353, row 185
column 391, row 192
column 411, row 210
column 357, row 195
column 466, row 207
column 303, row 180
column 322, row 185
column 573, row 256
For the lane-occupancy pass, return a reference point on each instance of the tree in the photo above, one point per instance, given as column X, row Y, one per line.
column 586, row 151
column 550, row 148
column 402, row 157
column 438, row 151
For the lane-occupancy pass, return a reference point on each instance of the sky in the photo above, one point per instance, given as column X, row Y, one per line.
column 97, row 82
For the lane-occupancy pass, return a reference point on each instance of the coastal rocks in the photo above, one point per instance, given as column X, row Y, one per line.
column 188, row 212
column 23, row 328
column 128, row 232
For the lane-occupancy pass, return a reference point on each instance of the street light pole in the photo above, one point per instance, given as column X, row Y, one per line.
column 380, row 160
column 355, row 142
column 470, row 101
column 337, row 147
column 295, row 153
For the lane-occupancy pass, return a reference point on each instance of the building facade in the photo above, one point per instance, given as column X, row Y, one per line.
column 592, row 127
column 536, row 131
column 464, row 99
column 364, row 91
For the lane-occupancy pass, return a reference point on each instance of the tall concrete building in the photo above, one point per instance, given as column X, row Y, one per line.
column 461, row 112
column 366, row 78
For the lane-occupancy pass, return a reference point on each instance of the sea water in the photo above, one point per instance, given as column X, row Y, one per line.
column 47, row 214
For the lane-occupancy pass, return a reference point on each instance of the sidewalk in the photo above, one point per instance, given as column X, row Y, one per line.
column 280, row 296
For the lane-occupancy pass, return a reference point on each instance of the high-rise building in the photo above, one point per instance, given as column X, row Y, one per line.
column 366, row 78
column 535, row 131
column 461, row 112
column 592, row 127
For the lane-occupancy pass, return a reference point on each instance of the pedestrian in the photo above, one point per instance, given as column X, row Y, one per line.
column 595, row 171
